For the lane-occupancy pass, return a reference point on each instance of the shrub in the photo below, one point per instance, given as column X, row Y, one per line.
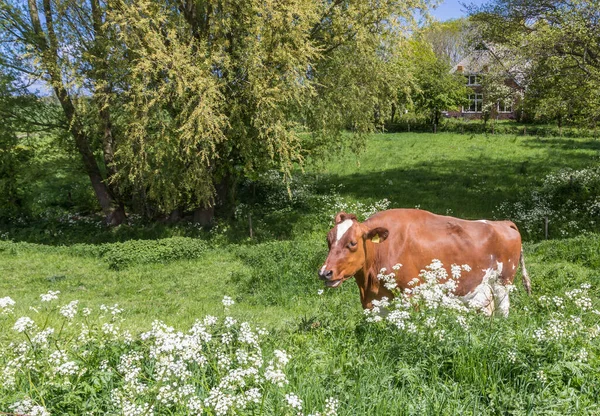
column 465, row 126
column 569, row 199
column 121, row 255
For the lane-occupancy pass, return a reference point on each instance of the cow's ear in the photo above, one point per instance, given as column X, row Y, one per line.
column 377, row 234
column 342, row 216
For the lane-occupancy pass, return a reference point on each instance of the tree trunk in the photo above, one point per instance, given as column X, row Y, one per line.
column 204, row 216
column 47, row 43
column 559, row 122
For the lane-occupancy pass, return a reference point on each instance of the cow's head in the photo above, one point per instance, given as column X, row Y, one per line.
column 347, row 242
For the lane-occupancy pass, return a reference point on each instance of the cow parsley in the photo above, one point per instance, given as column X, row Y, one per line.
column 50, row 296
column 6, row 305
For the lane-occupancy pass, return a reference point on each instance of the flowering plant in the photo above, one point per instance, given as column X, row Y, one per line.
column 67, row 359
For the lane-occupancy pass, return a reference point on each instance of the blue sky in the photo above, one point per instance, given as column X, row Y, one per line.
column 452, row 9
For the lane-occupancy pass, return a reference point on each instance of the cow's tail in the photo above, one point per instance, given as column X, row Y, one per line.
column 525, row 276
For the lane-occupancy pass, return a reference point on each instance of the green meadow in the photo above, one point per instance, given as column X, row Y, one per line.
column 180, row 273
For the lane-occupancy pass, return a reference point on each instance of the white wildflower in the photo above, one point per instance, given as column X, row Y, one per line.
column 6, row 305
column 430, row 322
column 227, row 301
column 41, row 337
column 24, row 324
column 541, row 376
column 294, row 402
column 27, row 407
column 70, row 310
column 50, row 296
column 210, row 320
column 582, row 355
column 282, row 357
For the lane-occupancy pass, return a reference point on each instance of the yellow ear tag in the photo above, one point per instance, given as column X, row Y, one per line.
column 375, row 239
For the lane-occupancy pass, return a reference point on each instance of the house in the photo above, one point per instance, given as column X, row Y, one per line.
column 475, row 67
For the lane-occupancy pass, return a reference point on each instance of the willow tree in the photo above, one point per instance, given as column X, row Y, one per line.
column 171, row 102
column 222, row 90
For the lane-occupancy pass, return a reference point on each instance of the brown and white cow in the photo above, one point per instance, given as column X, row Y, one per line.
column 414, row 238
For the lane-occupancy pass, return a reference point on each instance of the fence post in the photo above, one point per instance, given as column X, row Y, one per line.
column 546, row 227
column 250, row 225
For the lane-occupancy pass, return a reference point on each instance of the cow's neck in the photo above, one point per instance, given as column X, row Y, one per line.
column 366, row 278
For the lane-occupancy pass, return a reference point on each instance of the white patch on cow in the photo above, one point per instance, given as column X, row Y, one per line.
column 501, row 298
column 483, row 221
column 514, row 266
column 482, row 298
column 342, row 228
column 323, row 269
column 490, row 294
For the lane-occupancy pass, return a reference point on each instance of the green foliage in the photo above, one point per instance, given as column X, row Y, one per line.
column 14, row 155
column 121, row 255
column 278, row 269
column 569, row 199
column 450, row 39
column 13, row 161
column 558, row 50
column 582, row 250
column 436, row 89
column 414, row 123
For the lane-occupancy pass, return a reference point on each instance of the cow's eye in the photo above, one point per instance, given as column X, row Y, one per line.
column 352, row 244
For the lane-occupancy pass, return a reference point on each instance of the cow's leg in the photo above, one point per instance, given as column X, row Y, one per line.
column 481, row 298
column 501, row 298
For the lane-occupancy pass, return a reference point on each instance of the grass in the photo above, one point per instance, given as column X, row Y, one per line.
column 465, row 175
column 371, row 369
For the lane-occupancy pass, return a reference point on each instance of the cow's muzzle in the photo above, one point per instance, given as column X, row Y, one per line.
column 325, row 274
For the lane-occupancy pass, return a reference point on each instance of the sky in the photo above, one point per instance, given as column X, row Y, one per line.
column 452, row 9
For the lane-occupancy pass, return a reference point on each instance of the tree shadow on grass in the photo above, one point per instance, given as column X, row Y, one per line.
column 470, row 188
column 559, row 143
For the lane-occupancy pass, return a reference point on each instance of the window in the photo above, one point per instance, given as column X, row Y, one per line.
column 475, row 103
column 473, row 79
column 504, row 107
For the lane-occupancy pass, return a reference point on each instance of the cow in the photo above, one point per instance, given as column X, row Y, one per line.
column 413, row 238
